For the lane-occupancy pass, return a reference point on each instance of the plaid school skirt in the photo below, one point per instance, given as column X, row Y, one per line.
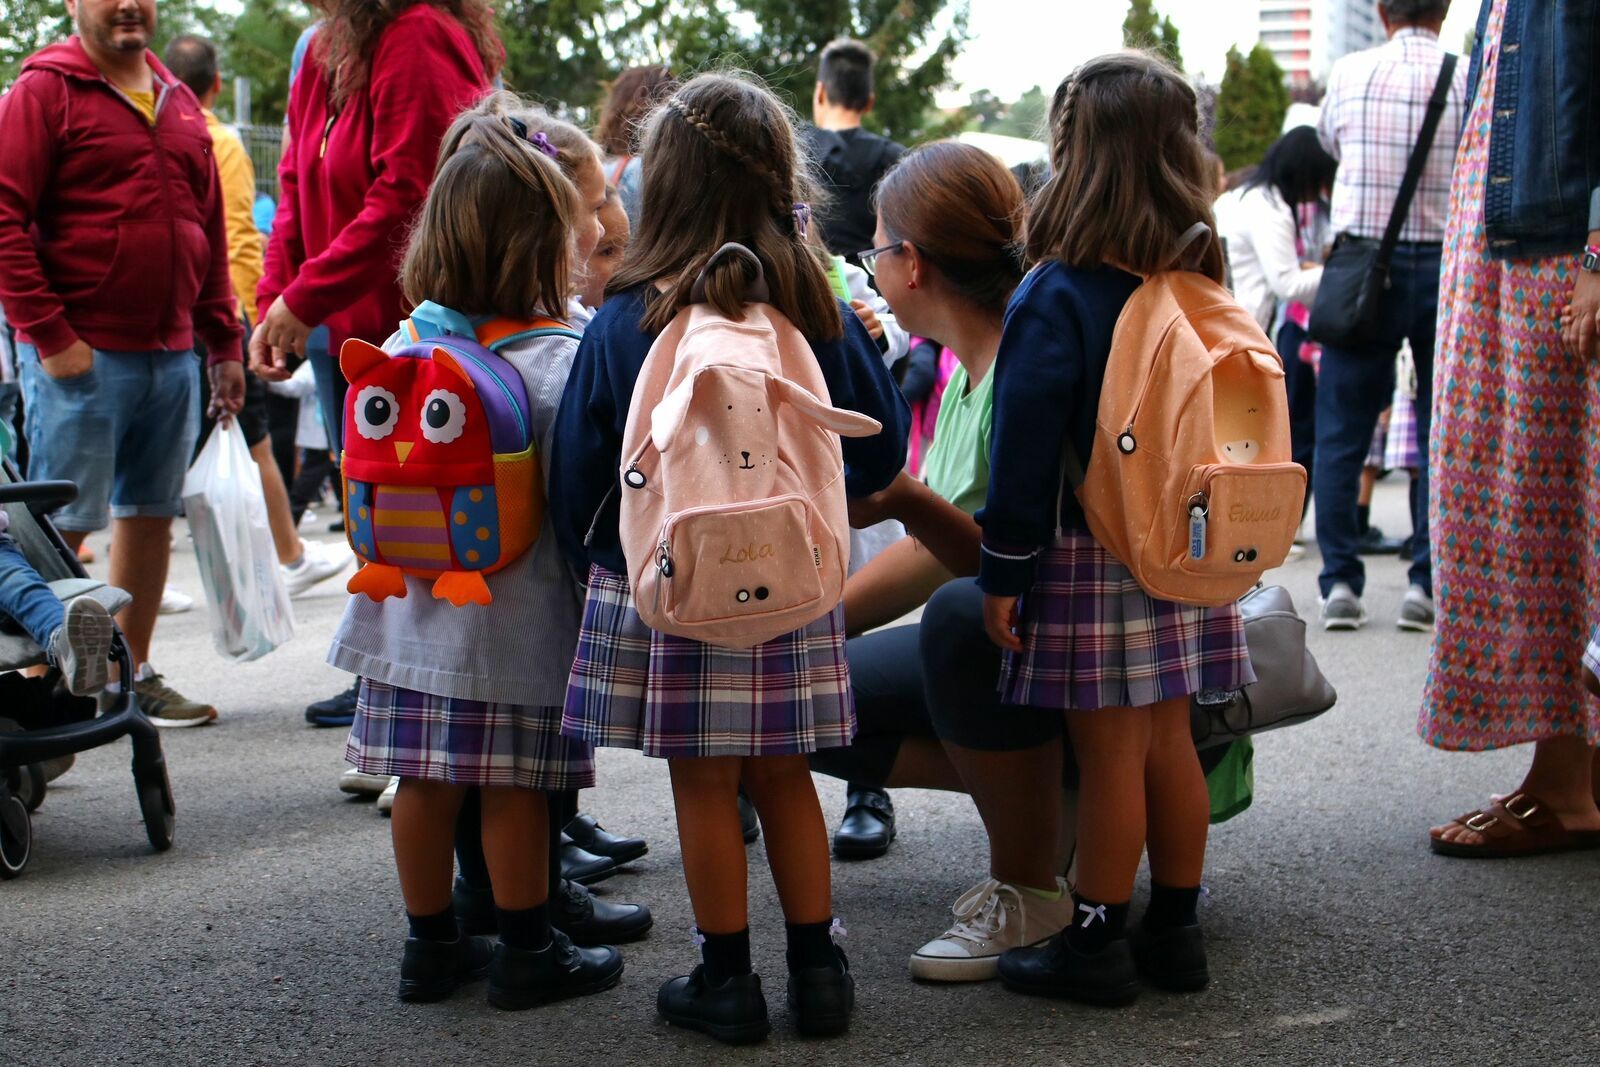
column 632, row 687
column 464, row 742
column 1093, row 638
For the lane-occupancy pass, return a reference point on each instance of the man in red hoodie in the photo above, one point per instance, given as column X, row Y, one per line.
column 113, row 256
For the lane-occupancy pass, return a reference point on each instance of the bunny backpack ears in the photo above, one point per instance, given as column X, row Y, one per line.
column 733, row 514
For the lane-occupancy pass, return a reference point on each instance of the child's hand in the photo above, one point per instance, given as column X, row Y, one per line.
column 1000, row 621
column 868, row 317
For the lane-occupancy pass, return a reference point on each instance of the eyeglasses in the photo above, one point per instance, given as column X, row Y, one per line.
column 869, row 258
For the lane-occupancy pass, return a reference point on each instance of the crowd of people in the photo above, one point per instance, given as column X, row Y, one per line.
column 970, row 320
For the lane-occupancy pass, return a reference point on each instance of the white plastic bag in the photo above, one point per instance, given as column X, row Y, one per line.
column 250, row 614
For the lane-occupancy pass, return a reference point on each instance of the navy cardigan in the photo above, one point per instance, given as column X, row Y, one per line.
column 587, row 451
column 1047, row 378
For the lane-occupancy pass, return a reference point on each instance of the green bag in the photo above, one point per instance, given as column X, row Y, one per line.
column 1232, row 782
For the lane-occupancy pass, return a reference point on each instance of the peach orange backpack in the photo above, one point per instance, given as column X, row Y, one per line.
column 733, row 510
column 1190, row 483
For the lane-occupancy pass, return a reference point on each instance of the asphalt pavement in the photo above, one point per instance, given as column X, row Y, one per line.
column 271, row 933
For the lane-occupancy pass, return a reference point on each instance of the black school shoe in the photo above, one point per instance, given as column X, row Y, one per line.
column 1106, row 978
column 734, row 1012
column 867, row 828
column 590, row 836
column 821, row 999
column 432, row 970
column 589, row 922
column 521, row 979
column 580, row 865
column 337, row 710
column 1173, row 959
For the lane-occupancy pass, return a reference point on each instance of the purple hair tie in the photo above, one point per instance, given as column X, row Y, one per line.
column 802, row 219
column 538, row 140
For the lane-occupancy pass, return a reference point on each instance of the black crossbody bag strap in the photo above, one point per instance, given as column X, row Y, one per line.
column 1414, row 165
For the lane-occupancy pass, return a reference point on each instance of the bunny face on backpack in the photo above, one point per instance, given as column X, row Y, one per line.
column 733, row 516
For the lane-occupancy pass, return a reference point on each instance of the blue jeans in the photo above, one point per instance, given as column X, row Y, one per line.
column 24, row 597
column 1354, row 386
column 124, row 431
column 1301, row 381
column 331, row 386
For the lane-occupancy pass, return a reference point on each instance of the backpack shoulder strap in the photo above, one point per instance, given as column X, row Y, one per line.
column 499, row 333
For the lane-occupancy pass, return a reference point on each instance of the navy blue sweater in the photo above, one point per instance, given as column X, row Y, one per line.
column 594, row 410
column 1047, row 378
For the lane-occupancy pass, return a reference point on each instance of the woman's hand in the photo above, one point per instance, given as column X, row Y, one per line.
column 280, row 335
column 1000, row 621
column 1580, row 320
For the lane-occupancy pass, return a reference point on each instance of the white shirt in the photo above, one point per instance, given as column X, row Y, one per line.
column 1260, row 231
column 860, row 286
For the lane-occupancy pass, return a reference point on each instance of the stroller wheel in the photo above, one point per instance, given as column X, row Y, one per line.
column 31, row 789
column 16, row 834
column 155, row 804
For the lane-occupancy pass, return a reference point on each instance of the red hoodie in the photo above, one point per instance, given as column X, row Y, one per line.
column 354, row 179
column 111, row 229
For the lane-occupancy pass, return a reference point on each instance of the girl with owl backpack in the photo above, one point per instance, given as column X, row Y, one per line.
column 1086, row 640
column 442, row 451
column 721, row 165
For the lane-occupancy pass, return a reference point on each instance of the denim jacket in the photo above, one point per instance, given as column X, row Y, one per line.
column 1544, row 152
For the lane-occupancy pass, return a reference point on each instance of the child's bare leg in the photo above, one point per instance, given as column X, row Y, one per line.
column 797, row 838
column 1112, row 745
column 424, row 826
column 1177, row 805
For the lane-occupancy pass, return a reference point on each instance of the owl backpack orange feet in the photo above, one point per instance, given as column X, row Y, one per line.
column 462, row 588
column 379, row 581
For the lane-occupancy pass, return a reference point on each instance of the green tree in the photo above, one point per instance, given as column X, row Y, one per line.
column 1251, row 105
column 1026, row 117
column 1145, row 28
column 564, row 51
column 984, row 110
column 257, row 44
column 28, row 25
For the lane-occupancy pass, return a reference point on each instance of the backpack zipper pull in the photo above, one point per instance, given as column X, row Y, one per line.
column 1199, row 506
column 664, row 567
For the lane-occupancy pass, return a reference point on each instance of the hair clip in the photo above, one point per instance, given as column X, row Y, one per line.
column 802, row 219
column 538, row 140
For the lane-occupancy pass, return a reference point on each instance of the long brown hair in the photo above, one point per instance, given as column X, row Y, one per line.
column 721, row 163
column 635, row 91
column 573, row 148
column 495, row 236
column 962, row 209
column 349, row 33
column 1129, row 171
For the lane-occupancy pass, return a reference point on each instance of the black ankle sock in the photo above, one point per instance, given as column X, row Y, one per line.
column 1096, row 925
column 1363, row 517
column 726, row 955
column 440, row 927
column 1171, row 907
column 525, row 928
column 810, row 945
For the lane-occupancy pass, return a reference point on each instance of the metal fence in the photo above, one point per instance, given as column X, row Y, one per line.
column 265, row 145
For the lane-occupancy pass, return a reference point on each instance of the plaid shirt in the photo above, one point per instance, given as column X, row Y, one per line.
column 1370, row 120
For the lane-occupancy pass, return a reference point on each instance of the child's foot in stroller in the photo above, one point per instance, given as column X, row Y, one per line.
column 166, row 707
column 81, row 646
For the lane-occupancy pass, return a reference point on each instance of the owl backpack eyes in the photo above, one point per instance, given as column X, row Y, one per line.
column 444, row 416
column 377, row 412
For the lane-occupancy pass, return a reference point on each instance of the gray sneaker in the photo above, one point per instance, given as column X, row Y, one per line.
column 1416, row 611
column 1341, row 609
column 164, row 706
column 81, row 647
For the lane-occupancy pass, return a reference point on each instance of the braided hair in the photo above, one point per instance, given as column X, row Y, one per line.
column 722, row 163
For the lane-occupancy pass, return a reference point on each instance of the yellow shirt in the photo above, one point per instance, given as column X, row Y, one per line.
column 145, row 102
column 237, row 180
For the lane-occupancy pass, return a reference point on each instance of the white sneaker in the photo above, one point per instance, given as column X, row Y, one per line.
column 386, row 798
column 174, row 602
column 991, row 917
column 362, row 784
column 318, row 563
column 1342, row 609
column 308, row 521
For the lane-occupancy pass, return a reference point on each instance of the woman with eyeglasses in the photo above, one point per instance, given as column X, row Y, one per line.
column 946, row 260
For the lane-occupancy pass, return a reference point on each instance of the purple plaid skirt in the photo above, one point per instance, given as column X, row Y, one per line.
column 632, row 687
column 1380, row 439
column 464, row 742
column 1093, row 638
column 1400, row 450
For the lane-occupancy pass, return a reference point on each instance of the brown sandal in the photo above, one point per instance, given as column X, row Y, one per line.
column 1517, row 825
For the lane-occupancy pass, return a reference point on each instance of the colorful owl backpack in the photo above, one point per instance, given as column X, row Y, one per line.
column 440, row 465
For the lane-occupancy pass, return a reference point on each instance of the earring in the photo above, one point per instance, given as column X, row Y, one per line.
column 912, row 284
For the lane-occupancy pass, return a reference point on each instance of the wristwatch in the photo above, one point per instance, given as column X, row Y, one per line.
column 1591, row 258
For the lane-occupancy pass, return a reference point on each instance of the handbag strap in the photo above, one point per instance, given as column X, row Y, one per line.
column 1418, row 160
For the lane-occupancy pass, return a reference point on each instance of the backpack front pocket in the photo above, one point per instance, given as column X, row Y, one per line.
column 1240, row 517
column 739, row 561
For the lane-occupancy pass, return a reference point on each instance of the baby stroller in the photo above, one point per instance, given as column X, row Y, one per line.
column 22, row 783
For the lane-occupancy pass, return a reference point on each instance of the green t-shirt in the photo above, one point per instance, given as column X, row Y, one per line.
column 957, row 467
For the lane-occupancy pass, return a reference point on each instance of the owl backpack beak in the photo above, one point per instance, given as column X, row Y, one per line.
column 402, row 449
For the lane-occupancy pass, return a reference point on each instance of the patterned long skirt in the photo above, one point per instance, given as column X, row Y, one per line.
column 1515, row 501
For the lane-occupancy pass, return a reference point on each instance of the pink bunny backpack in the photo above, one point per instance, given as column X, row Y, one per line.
column 733, row 517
